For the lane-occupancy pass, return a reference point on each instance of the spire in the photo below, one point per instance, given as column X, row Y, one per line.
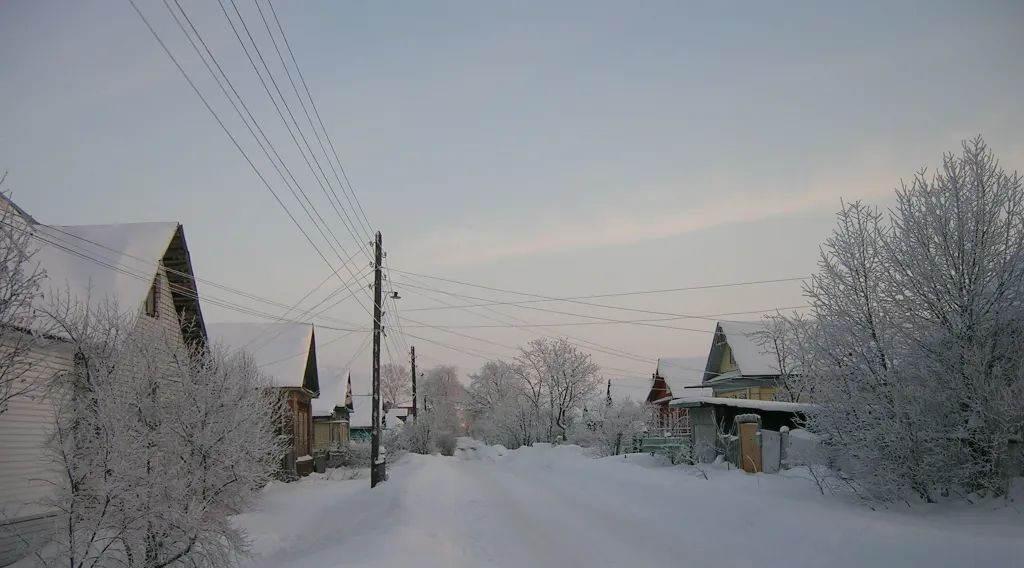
column 348, row 395
column 608, row 396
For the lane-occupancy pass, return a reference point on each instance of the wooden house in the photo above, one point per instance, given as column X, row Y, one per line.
column 671, row 378
column 285, row 352
column 330, row 428
column 152, row 282
column 738, row 366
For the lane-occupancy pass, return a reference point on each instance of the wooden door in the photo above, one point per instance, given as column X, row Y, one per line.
column 750, row 447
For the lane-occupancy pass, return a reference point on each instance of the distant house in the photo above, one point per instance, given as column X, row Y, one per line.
column 331, row 429
column 738, row 366
column 671, row 378
column 286, row 352
column 142, row 269
column 361, row 424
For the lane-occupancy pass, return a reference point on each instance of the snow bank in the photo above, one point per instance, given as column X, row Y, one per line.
column 802, row 448
column 554, row 506
column 473, row 450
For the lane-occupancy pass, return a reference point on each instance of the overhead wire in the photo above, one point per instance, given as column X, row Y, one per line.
column 305, row 111
column 287, row 107
column 61, row 245
column 231, row 136
column 323, row 128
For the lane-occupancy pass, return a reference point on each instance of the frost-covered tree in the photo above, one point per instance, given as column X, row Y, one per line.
column 442, row 416
column 558, row 378
column 20, row 281
column 538, row 396
column 157, row 442
column 783, row 338
column 610, row 428
column 915, row 355
column 395, row 384
column 498, row 406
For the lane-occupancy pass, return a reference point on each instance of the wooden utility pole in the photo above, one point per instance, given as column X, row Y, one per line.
column 377, row 466
column 412, row 357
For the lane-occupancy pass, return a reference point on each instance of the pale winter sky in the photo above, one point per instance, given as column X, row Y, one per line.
column 560, row 148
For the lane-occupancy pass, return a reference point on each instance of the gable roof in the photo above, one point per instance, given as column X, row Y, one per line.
column 110, row 266
column 285, row 351
column 362, row 416
column 680, row 373
column 751, row 357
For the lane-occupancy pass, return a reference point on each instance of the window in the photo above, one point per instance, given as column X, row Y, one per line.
column 151, row 300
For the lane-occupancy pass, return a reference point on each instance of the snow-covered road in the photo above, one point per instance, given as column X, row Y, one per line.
column 556, row 507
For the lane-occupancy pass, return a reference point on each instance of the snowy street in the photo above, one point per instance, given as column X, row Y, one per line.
column 557, row 507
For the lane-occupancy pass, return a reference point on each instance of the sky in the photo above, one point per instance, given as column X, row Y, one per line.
column 556, row 148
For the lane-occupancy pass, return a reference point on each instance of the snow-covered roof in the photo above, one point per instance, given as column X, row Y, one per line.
column 133, row 248
column 681, row 372
column 280, row 349
column 396, row 416
column 751, row 357
column 765, row 405
column 360, row 416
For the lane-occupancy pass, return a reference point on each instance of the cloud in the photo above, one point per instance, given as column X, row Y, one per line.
column 655, row 215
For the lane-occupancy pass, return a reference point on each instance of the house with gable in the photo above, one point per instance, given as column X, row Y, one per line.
column 285, row 352
column 738, row 365
column 144, row 271
column 671, row 378
column 331, row 422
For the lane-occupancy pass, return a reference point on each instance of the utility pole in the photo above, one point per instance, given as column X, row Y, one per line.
column 377, row 467
column 412, row 356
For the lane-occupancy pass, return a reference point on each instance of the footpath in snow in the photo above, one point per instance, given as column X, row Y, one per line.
column 554, row 506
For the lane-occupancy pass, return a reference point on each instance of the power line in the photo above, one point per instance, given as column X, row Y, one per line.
column 316, row 112
column 302, row 103
column 578, row 299
column 234, row 141
column 287, row 108
column 595, row 318
column 306, row 351
column 174, row 287
column 152, row 264
column 594, row 346
column 255, row 123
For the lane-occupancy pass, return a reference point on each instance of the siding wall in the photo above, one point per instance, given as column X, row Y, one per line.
column 24, row 430
column 27, row 474
column 750, row 393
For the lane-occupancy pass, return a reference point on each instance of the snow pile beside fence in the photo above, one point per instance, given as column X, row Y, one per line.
column 800, row 447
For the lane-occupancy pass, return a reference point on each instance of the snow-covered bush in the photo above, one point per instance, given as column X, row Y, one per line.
column 610, row 430
column 158, row 443
column 20, row 281
column 355, row 454
column 916, row 351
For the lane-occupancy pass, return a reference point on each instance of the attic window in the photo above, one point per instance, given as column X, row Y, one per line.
column 151, row 301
